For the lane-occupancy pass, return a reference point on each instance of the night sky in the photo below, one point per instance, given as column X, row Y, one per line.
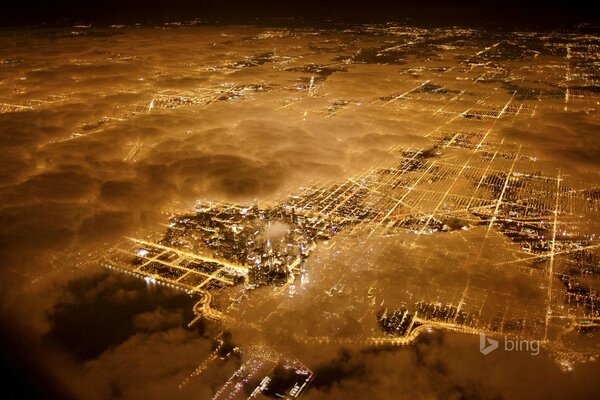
column 494, row 13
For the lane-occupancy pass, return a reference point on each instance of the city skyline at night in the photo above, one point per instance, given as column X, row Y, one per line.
column 254, row 202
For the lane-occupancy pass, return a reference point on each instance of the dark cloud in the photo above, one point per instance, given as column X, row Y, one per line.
column 441, row 366
column 52, row 186
column 158, row 320
column 232, row 176
column 111, row 336
column 561, row 139
column 96, row 313
column 42, row 226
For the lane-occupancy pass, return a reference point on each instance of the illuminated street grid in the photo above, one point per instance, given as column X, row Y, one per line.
column 266, row 374
column 508, row 219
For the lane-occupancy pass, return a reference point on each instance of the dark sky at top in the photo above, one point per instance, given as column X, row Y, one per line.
column 506, row 13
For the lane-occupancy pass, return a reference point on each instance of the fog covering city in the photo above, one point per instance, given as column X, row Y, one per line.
column 329, row 184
